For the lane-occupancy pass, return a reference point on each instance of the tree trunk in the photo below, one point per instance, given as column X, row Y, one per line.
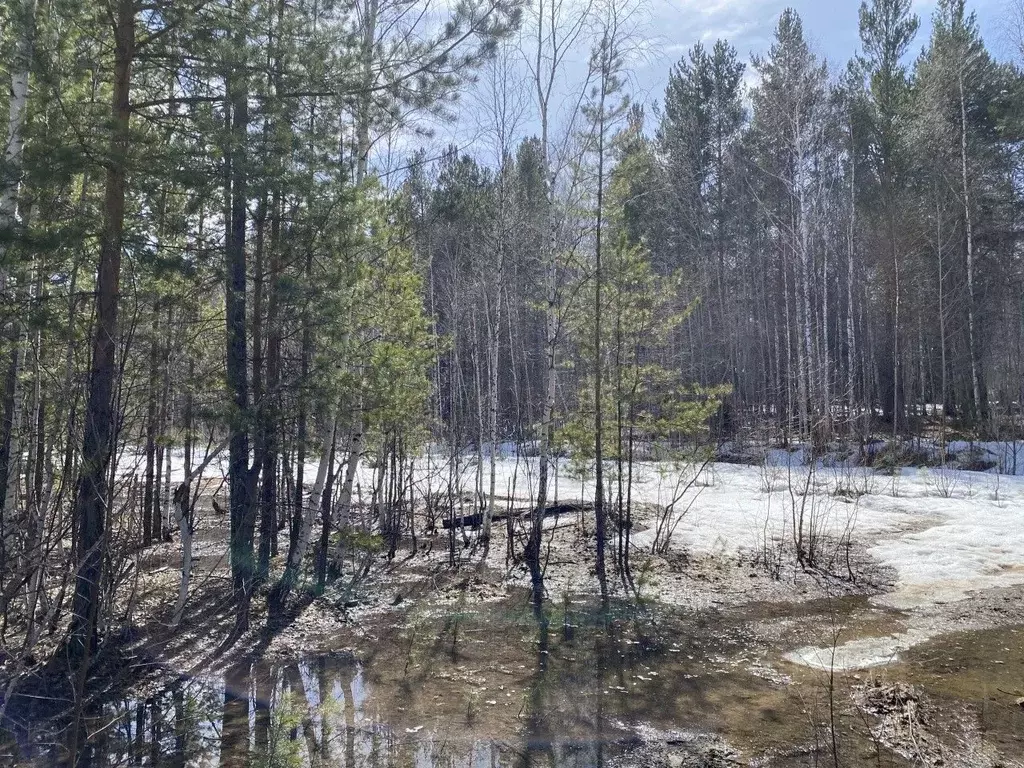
column 307, row 514
column 20, row 69
column 320, row 500
column 10, row 186
column 851, row 276
column 183, row 510
column 944, row 397
column 270, row 421
column 258, row 393
column 92, row 490
column 977, row 391
column 493, row 328
column 240, row 495
column 149, row 506
column 298, row 535
column 369, row 9
column 356, row 444
column 599, row 508
column 547, row 431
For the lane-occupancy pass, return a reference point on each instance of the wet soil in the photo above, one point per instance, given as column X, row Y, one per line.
column 421, row 664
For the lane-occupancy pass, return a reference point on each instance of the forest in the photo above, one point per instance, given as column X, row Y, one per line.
column 289, row 387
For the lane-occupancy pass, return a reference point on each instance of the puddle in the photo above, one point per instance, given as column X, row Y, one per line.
column 982, row 669
column 323, row 711
column 862, row 653
column 841, row 633
column 483, row 686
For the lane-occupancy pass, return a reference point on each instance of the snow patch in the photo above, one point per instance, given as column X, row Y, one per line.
column 947, row 533
column 862, row 653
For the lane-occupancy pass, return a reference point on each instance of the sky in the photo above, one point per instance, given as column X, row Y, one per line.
column 831, row 26
column 670, row 29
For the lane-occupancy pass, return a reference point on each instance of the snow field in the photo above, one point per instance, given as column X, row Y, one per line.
column 947, row 533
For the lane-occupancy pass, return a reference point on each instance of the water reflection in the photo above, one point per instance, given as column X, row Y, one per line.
column 309, row 714
column 494, row 691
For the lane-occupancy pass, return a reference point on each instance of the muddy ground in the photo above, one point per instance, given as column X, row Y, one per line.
column 691, row 665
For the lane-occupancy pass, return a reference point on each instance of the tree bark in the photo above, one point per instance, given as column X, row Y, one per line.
column 149, row 506
column 240, row 495
column 600, row 514
column 92, row 490
column 10, row 186
column 977, row 391
column 183, row 510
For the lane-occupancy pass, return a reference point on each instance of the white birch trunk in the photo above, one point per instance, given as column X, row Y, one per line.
column 492, row 362
column 969, row 227
column 806, row 351
column 9, row 189
column 312, row 505
column 851, row 246
column 942, row 327
column 183, row 512
column 14, row 141
column 181, row 506
column 356, row 445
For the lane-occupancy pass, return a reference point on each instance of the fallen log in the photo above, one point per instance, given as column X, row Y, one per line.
column 476, row 520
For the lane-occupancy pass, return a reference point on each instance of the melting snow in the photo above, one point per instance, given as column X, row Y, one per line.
column 946, row 532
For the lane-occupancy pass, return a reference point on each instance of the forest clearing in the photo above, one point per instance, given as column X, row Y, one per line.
column 905, row 636
column 512, row 383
